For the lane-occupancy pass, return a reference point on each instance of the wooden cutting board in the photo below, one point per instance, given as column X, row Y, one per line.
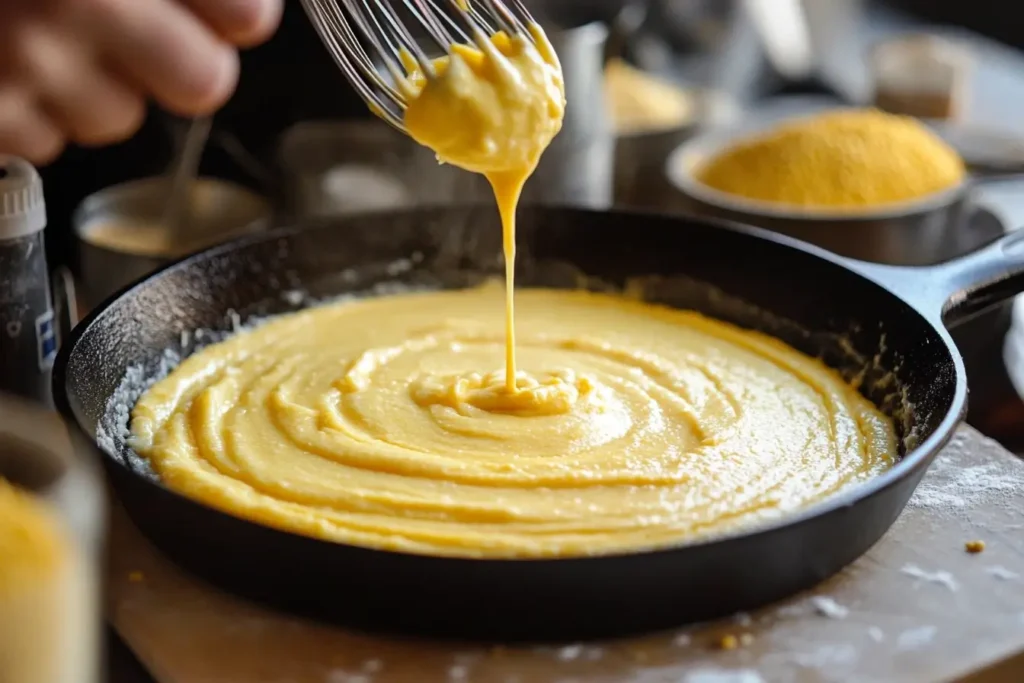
column 917, row 608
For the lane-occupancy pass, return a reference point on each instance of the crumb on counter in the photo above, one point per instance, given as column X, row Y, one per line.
column 974, row 547
column 732, row 641
column 728, row 642
column 135, row 577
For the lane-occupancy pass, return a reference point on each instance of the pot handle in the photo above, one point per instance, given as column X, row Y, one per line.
column 957, row 291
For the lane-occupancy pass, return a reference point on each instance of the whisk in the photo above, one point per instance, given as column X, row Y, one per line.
column 340, row 22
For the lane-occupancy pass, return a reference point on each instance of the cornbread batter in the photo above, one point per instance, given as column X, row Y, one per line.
column 386, row 423
column 492, row 109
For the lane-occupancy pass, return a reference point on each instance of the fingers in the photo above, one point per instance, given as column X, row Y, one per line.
column 24, row 132
column 167, row 51
column 82, row 70
column 97, row 110
column 89, row 104
column 241, row 22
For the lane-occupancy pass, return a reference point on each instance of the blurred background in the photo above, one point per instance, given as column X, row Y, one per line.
column 644, row 78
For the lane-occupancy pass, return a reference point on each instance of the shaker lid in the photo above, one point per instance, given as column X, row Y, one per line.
column 22, row 207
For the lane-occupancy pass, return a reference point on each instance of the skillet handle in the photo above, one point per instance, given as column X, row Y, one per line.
column 959, row 290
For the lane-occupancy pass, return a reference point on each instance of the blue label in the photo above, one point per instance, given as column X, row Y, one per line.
column 46, row 340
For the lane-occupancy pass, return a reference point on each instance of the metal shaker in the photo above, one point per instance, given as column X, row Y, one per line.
column 28, row 333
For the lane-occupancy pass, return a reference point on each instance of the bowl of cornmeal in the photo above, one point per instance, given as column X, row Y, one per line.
column 860, row 182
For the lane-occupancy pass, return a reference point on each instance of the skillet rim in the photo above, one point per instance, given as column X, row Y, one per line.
column 919, row 457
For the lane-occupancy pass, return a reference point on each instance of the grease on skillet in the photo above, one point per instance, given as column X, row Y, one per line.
column 479, row 538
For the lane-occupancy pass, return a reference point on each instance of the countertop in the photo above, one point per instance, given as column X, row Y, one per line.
column 917, row 608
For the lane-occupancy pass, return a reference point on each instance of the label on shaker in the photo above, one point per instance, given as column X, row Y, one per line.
column 46, row 340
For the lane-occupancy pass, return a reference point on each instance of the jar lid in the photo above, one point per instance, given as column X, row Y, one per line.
column 22, row 207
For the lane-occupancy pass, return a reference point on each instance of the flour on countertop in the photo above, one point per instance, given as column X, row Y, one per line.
column 915, row 638
column 940, row 577
column 876, row 634
column 826, row 657
column 570, row 652
column 827, row 607
column 955, row 483
column 682, row 640
column 822, row 605
column 723, row 676
column 1001, row 572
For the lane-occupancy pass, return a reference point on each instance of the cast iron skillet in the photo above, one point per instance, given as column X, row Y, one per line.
column 861, row 318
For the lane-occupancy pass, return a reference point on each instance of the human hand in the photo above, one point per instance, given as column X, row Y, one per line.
column 82, row 70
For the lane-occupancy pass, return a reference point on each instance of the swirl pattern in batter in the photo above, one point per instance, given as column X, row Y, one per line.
column 387, row 423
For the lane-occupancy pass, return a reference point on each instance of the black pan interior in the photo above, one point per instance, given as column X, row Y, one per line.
column 802, row 296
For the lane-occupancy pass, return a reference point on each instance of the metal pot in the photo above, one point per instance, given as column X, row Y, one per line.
column 221, row 209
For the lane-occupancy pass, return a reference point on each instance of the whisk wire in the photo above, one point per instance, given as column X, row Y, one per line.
column 449, row 21
column 501, row 17
column 341, row 42
column 406, row 39
column 381, row 41
column 345, row 25
column 433, row 25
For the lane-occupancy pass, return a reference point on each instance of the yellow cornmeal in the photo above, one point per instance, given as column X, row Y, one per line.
column 385, row 423
column 841, row 159
column 32, row 544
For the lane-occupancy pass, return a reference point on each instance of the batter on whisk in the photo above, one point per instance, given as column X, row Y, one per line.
column 493, row 109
